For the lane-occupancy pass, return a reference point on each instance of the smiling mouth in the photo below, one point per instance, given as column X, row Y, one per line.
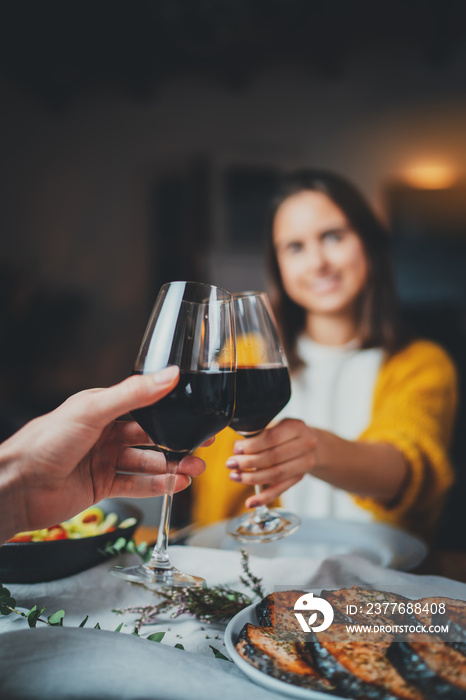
column 327, row 284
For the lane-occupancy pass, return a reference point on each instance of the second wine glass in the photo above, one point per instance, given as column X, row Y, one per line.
column 262, row 390
column 192, row 327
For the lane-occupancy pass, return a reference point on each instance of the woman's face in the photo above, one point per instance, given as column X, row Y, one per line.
column 322, row 261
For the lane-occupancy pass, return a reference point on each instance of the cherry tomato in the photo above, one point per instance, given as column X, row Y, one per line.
column 57, row 532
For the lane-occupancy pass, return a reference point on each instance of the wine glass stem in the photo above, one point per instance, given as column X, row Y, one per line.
column 159, row 556
column 261, row 513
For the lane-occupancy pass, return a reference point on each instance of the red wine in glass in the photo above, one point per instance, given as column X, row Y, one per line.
column 261, row 393
column 198, row 407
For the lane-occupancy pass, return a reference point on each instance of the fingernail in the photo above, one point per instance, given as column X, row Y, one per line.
column 232, row 463
column 190, row 481
column 166, row 376
column 235, row 476
column 237, row 448
column 252, row 504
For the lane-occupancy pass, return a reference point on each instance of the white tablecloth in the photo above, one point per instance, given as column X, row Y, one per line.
column 69, row 662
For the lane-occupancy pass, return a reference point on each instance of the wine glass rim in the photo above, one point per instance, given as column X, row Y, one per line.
column 228, row 295
column 248, row 293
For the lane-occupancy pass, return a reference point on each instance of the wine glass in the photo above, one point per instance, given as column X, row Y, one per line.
column 262, row 390
column 191, row 326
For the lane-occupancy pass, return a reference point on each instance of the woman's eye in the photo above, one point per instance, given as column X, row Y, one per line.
column 294, row 247
column 333, row 236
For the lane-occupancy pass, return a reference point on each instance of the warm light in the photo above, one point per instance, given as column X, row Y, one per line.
column 430, row 175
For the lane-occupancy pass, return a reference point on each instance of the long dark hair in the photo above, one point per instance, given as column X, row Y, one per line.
column 380, row 323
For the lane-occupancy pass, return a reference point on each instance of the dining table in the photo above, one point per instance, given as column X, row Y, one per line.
column 185, row 659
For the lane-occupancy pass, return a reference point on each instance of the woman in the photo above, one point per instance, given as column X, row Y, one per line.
column 367, row 430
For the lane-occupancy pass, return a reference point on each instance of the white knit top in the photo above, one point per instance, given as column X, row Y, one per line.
column 333, row 391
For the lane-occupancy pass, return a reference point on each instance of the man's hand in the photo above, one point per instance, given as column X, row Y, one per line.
column 60, row 463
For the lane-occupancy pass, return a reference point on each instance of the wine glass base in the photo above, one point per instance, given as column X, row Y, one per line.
column 250, row 528
column 157, row 577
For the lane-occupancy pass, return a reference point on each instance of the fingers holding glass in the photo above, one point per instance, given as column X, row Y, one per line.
column 138, row 486
column 131, row 460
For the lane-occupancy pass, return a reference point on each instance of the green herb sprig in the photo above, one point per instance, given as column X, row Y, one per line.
column 33, row 616
column 249, row 580
column 122, row 545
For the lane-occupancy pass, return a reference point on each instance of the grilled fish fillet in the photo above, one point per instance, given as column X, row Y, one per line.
column 278, row 656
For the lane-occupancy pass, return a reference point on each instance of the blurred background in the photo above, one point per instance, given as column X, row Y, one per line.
column 140, row 142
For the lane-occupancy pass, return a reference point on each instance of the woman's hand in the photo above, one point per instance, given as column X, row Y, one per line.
column 282, row 455
column 279, row 457
column 60, row 463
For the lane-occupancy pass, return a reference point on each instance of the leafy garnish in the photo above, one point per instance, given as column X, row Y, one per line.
column 33, row 616
column 122, row 545
column 218, row 654
column 57, row 618
column 156, row 637
column 249, row 580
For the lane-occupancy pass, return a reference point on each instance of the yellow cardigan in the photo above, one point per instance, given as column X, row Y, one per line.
column 414, row 408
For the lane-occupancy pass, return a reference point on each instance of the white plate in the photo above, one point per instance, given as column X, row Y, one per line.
column 232, row 631
column 323, row 537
